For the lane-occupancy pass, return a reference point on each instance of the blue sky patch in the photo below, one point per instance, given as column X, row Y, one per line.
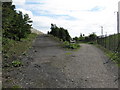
column 34, row 3
column 96, row 9
column 55, row 16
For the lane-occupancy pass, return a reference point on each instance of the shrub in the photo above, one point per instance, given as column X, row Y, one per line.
column 71, row 45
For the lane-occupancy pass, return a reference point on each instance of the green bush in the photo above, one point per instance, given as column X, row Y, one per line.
column 71, row 45
column 16, row 63
column 66, row 43
column 116, row 58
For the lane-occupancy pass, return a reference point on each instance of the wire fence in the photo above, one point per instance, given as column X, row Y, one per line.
column 110, row 42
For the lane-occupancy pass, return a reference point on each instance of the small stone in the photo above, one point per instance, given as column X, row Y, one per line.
column 87, row 77
column 72, row 80
column 8, row 76
column 35, row 51
column 56, row 80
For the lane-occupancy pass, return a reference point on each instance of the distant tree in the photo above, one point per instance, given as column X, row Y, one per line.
column 86, row 39
column 76, row 39
column 53, row 29
column 48, row 32
column 67, row 36
column 59, row 32
column 81, row 35
column 81, row 38
column 92, row 37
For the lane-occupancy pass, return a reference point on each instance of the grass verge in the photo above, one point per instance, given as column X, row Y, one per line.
column 11, row 48
column 112, row 55
column 0, row 44
column 70, row 45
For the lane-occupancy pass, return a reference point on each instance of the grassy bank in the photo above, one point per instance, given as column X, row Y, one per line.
column 13, row 48
column 0, row 44
column 111, row 55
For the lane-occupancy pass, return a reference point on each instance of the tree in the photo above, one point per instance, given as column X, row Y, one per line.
column 76, row 39
column 92, row 37
column 59, row 32
column 8, row 14
column 67, row 36
column 14, row 25
column 48, row 32
column 81, row 38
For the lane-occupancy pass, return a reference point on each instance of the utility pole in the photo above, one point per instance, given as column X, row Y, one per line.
column 118, row 17
column 106, row 34
column 118, row 23
column 101, row 31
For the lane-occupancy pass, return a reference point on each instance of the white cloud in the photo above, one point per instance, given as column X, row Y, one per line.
column 86, row 21
column 19, row 2
column 26, row 12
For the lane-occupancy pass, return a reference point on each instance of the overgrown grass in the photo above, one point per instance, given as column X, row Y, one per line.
column 70, row 45
column 16, row 86
column 12, row 48
column 115, row 57
column 0, row 43
column 69, row 53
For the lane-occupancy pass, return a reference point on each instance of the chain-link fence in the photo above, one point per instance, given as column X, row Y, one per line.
column 110, row 42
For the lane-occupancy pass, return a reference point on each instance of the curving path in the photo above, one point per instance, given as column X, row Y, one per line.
column 47, row 65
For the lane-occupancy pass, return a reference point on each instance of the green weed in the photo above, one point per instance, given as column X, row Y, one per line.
column 68, row 53
column 11, row 47
column 70, row 45
column 16, row 63
column 16, row 86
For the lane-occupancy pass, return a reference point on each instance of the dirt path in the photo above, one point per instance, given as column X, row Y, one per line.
column 47, row 65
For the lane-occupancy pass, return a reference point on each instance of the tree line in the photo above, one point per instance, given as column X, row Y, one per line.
column 83, row 38
column 59, row 32
column 15, row 25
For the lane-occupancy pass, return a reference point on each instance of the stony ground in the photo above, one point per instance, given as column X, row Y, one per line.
column 47, row 65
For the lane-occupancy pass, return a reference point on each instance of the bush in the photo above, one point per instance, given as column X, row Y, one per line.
column 71, row 45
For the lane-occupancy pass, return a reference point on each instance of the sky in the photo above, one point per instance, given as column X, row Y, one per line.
column 77, row 16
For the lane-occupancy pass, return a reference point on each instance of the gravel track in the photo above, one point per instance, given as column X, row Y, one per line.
column 47, row 65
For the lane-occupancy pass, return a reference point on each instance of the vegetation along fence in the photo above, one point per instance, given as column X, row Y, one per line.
column 110, row 42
